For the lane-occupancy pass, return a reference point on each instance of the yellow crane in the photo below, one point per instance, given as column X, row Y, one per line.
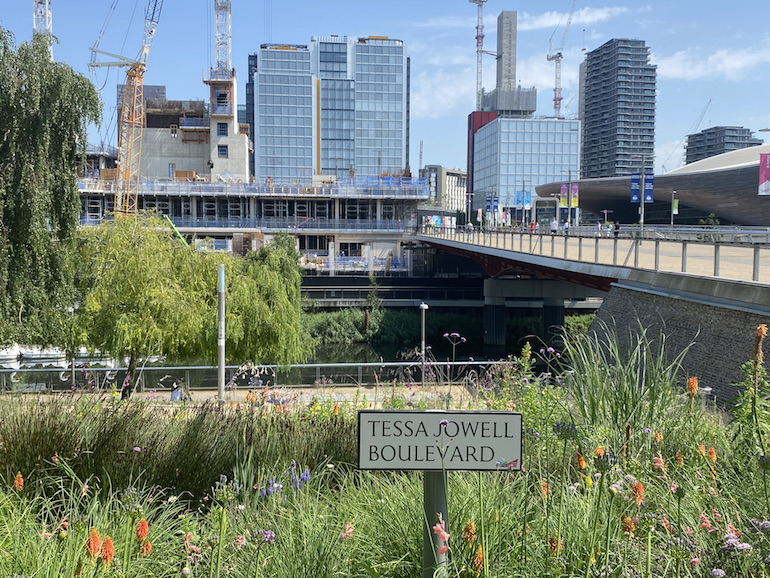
column 131, row 113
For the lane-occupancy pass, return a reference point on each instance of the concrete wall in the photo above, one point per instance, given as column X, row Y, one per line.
column 160, row 148
column 723, row 338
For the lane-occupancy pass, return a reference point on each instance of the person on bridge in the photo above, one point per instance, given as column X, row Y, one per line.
column 554, row 226
column 616, row 229
column 469, row 230
column 566, row 228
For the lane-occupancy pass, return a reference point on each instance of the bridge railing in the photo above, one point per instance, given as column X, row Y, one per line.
column 721, row 253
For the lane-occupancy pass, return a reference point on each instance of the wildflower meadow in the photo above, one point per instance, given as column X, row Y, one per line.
column 628, row 471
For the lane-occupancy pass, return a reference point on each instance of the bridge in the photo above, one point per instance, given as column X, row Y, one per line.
column 706, row 289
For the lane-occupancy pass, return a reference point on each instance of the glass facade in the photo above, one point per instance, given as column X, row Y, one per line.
column 283, row 145
column 517, row 154
column 341, row 102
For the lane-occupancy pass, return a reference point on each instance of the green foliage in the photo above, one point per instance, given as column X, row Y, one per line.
column 44, row 110
column 144, row 293
column 576, row 325
column 751, row 422
column 615, row 386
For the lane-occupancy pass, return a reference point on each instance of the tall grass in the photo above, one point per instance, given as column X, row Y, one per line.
column 624, row 476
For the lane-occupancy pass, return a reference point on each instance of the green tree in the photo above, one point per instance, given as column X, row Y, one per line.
column 44, row 111
column 144, row 293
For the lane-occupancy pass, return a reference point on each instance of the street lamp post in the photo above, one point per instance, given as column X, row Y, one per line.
column 423, row 309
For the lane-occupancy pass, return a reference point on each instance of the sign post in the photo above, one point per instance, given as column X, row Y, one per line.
column 436, row 442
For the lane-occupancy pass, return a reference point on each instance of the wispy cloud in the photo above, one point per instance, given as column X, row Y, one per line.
column 584, row 16
column 690, row 64
column 440, row 93
column 448, row 22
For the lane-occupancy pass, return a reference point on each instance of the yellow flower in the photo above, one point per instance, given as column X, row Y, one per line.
column 658, row 437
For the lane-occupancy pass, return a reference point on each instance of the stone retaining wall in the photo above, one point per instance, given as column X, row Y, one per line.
column 723, row 338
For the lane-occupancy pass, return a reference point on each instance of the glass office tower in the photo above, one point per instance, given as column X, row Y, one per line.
column 336, row 107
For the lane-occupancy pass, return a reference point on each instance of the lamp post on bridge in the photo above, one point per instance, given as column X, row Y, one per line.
column 674, row 207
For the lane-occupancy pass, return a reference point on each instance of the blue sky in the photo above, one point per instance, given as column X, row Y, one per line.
column 705, row 51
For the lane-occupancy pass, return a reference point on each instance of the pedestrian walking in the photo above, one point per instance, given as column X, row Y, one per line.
column 616, row 229
column 554, row 226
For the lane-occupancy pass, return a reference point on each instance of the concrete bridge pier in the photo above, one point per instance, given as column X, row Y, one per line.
column 553, row 320
column 494, row 321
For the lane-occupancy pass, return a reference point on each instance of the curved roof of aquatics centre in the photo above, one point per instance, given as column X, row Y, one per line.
column 726, row 185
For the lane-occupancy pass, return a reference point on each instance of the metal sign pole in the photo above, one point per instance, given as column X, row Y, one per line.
column 434, row 505
column 221, row 336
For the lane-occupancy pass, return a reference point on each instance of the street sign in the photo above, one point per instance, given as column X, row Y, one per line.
column 435, row 440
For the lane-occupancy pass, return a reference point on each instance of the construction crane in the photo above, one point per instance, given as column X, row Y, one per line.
column 555, row 56
column 131, row 113
column 479, row 47
column 42, row 22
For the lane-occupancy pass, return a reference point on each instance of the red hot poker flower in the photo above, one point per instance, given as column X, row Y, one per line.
column 93, row 543
column 142, row 529
column 18, row 482
column 107, row 551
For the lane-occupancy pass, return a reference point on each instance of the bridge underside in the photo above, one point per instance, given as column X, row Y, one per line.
column 497, row 266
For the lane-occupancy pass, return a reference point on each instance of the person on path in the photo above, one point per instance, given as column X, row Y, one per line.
column 616, row 229
column 566, row 228
column 554, row 226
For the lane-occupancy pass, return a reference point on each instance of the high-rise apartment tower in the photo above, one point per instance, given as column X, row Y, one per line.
column 617, row 109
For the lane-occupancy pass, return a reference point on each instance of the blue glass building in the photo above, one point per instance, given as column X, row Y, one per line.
column 338, row 106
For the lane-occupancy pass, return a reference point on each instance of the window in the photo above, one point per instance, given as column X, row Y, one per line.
column 221, row 129
column 222, row 151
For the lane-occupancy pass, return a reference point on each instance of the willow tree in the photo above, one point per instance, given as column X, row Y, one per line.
column 45, row 108
column 144, row 293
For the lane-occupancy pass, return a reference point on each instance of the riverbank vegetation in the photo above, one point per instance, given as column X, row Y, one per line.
column 628, row 471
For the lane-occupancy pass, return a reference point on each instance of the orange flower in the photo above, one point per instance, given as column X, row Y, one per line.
column 599, row 452
column 336, row 409
column 581, row 461
column 107, row 551
column 712, row 455
column 142, row 529
column 145, row 548
column 93, row 543
column 554, row 545
column 692, row 385
column 469, row 533
column 702, row 449
column 679, row 459
column 658, row 437
column 18, row 482
column 543, row 489
column 478, row 559
column 761, row 331
column 637, row 493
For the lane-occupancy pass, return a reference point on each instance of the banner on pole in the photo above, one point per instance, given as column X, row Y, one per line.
column 648, row 183
column 635, row 179
column 675, row 207
column 564, row 195
column 764, row 174
column 573, row 195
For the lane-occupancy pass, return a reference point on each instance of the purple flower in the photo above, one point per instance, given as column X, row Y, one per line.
column 267, row 536
column 718, row 573
column 446, row 334
column 137, row 449
column 443, row 422
column 647, row 430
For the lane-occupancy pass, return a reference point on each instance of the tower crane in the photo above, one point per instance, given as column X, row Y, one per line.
column 479, row 47
column 131, row 113
column 555, row 56
column 42, row 22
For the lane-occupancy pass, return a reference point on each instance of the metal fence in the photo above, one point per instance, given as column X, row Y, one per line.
column 309, row 375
